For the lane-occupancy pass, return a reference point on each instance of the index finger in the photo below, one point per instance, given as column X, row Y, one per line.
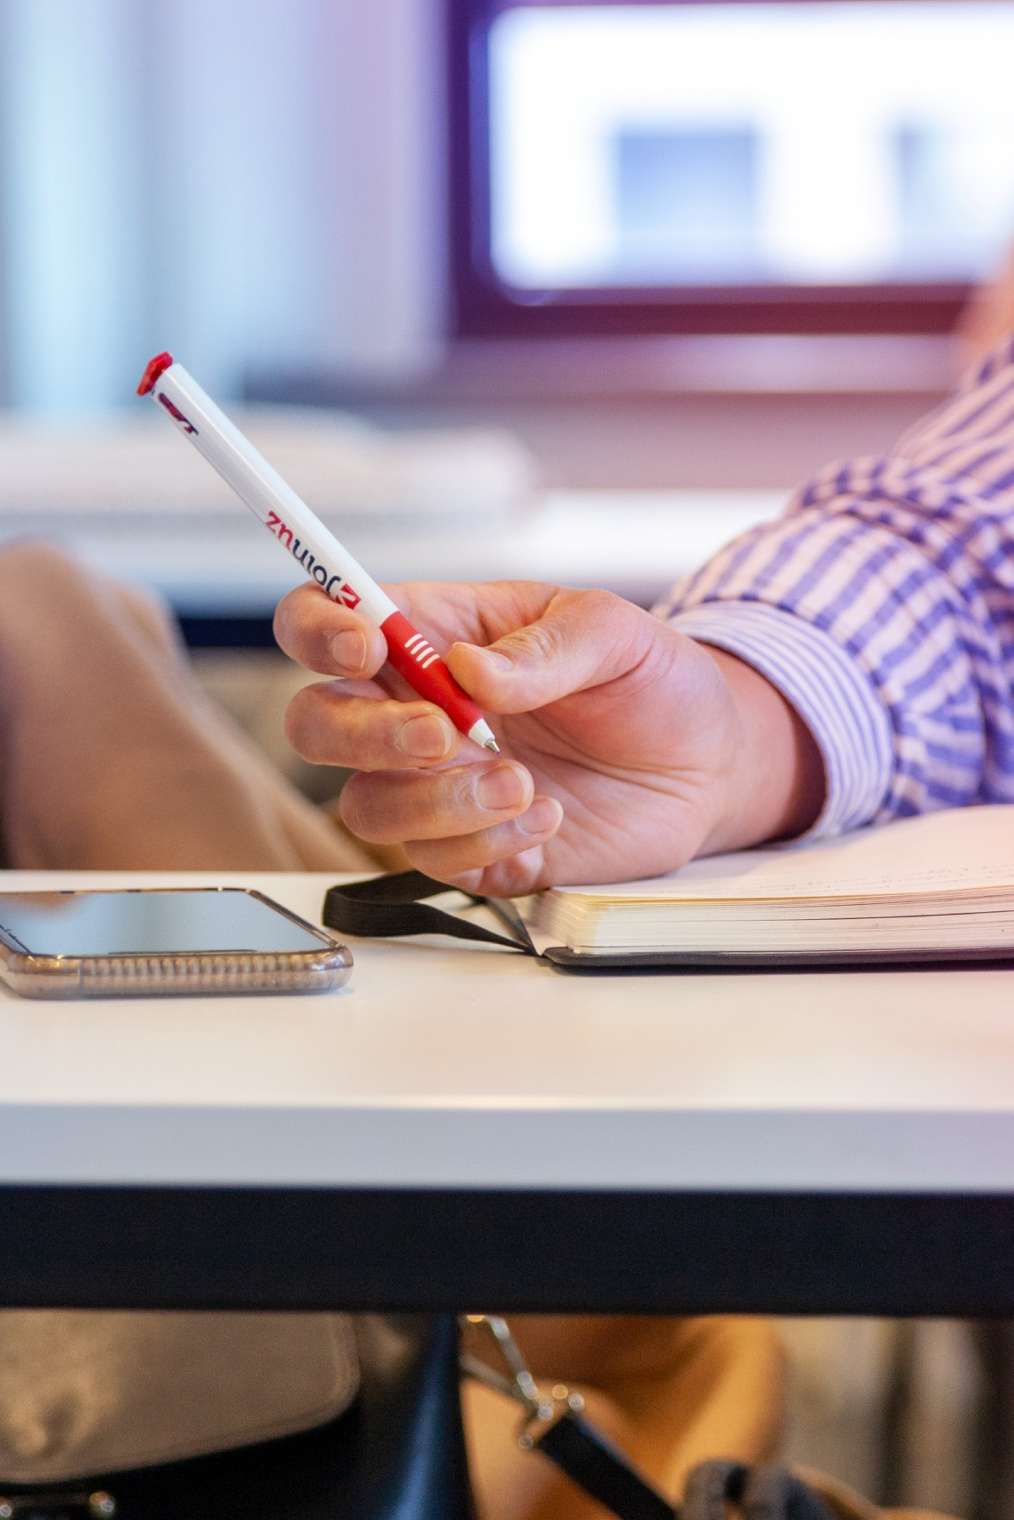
column 327, row 636
column 307, row 621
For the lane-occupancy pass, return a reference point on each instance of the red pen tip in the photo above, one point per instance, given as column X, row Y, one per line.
column 155, row 367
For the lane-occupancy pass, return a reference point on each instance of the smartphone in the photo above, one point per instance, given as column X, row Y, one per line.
column 144, row 942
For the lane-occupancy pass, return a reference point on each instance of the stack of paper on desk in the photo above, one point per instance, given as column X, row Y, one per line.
column 938, row 886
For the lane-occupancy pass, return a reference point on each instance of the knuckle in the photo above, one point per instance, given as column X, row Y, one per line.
column 432, row 862
column 448, row 798
column 460, row 790
column 38, row 554
column 616, row 622
column 279, row 629
column 469, row 852
column 352, row 808
column 465, row 881
column 365, row 809
column 438, row 808
column 51, row 569
column 290, row 624
column 538, row 643
column 603, row 608
column 600, row 601
column 302, row 723
column 516, row 875
column 295, row 718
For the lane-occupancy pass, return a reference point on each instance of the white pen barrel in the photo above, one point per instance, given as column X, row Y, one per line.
column 268, row 496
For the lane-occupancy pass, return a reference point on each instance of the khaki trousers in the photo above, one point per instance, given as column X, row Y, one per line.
column 111, row 758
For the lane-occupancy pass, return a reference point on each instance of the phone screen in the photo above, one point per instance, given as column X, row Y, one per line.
column 150, row 923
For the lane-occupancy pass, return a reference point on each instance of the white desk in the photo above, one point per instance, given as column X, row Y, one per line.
column 787, row 1142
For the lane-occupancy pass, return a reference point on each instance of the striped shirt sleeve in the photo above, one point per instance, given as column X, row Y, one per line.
column 882, row 606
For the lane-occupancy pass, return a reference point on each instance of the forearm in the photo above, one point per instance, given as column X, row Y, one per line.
column 886, row 595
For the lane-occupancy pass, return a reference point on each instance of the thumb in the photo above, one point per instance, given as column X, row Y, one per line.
column 583, row 639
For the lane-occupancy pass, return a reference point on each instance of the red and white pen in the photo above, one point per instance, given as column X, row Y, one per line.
column 305, row 537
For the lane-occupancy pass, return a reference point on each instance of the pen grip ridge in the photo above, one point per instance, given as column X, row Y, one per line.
column 414, row 657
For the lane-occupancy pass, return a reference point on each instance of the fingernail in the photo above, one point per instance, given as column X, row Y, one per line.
column 500, row 787
column 348, row 649
column 425, row 738
column 543, row 815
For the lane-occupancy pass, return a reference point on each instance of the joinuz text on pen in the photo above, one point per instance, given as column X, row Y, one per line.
column 305, row 537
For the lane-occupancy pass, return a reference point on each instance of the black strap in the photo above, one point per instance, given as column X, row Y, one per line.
column 765, row 1492
column 385, row 906
column 595, row 1465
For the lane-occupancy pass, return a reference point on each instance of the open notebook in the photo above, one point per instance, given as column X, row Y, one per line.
column 936, row 887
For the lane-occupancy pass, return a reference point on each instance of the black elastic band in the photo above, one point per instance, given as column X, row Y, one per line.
column 597, row 1466
column 385, row 906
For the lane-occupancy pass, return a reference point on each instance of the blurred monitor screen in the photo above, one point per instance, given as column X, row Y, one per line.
column 731, row 144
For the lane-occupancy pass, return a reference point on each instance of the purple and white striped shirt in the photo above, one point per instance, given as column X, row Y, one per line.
column 882, row 606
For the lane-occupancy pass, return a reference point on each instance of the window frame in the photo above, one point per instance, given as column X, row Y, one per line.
column 483, row 307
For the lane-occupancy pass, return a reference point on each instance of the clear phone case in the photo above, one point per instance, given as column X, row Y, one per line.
column 323, row 968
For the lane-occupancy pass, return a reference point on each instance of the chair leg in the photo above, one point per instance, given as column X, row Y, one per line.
column 890, row 1484
column 410, row 1456
column 993, row 1458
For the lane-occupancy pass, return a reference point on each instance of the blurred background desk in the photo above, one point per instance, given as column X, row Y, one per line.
column 223, row 576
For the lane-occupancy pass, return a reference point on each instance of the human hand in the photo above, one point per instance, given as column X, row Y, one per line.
column 628, row 747
column 988, row 316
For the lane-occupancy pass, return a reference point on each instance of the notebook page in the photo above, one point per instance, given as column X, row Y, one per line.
column 938, row 854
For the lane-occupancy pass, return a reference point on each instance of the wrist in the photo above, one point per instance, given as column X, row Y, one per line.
column 775, row 785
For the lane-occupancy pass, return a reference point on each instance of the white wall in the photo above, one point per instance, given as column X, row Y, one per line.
column 242, row 181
